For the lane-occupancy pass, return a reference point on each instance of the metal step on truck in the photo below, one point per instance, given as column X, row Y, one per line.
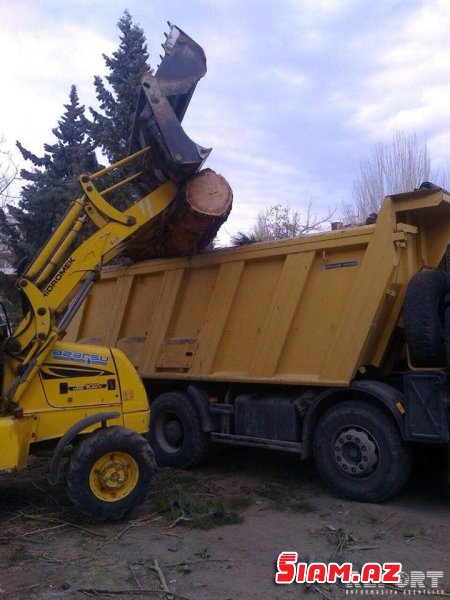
column 333, row 345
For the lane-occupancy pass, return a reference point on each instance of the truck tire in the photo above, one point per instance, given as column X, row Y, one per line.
column 423, row 314
column 359, row 453
column 176, row 434
column 110, row 472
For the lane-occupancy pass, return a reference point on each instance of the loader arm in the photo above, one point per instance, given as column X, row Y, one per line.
column 61, row 275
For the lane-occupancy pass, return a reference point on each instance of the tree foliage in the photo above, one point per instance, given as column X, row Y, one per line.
column 52, row 181
column 280, row 222
column 117, row 98
column 398, row 166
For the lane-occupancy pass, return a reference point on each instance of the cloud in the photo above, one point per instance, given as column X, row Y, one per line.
column 406, row 86
column 296, row 92
column 46, row 63
column 290, row 77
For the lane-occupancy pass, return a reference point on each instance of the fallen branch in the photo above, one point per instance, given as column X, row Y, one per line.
column 44, row 529
column 46, row 493
column 178, row 520
column 318, row 589
column 155, row 567
column 138, row 522
column 343, row 538
column 188, row 519
column 195, row 562
column 353, row 548
column 384, row 531
column 56, row 520
column 421, row 537
column 20, row 590
column 59, row 561
column 103, row 592
column 135, row 577
column 173, row 534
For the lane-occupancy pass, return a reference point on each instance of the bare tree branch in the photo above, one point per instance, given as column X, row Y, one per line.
column 8, row 173
column 280, row 222
column 441, row 175
column 399, row 166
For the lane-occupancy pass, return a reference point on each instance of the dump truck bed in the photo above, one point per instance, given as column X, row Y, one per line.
column 310, row 311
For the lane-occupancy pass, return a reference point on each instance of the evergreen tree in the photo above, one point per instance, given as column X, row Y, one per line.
column 53, row 180
column 127, row 65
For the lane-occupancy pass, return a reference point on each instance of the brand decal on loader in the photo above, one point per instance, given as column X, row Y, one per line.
column 340, row 265
column 65, row 388
column 87, row 386
column 81, row 357
column 59, row 371
column 58, row 276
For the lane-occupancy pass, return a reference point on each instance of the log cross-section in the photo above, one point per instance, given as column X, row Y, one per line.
column 189, row 223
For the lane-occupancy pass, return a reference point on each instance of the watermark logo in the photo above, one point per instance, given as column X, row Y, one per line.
column 414, row 583
column 374, row 578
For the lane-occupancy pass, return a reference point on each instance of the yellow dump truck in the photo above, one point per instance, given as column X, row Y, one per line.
column 331, row 345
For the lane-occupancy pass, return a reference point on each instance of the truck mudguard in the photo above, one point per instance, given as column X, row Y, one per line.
column 200, row 399
column 376, row 391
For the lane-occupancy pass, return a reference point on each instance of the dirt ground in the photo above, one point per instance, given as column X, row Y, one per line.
column 214, row 533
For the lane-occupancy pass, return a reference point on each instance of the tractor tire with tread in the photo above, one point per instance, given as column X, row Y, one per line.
column 176, row 434
column 359, row 453
column 110, row 472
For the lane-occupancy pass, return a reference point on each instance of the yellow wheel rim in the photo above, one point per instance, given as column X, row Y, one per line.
column 113, row 476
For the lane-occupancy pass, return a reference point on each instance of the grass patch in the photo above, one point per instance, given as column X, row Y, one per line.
column 191, row 499
column 285, row 496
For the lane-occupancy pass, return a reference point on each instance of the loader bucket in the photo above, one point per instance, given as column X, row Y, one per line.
column 163, row 98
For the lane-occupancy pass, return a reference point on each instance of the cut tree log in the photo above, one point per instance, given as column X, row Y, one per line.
column 189, row 223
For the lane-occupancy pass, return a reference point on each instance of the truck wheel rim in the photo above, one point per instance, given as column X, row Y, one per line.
column 169, row 432
column 356, row 451
column 113, row 476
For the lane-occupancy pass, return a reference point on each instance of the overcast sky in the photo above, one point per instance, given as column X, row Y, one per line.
column 297, row 91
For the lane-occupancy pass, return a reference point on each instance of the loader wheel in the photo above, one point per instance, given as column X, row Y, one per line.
column 359, row 453
column 176, row 435
column 110, row 472
column 423, row 312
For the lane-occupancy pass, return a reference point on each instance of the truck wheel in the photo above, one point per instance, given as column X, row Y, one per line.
column 110, row 472
column 359, row 452
column 176, row 435
column 424, row 330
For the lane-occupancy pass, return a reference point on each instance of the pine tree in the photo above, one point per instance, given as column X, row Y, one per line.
column 53, row 180
column 111, row 130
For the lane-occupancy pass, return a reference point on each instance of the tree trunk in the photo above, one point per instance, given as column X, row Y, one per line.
column 189, row 223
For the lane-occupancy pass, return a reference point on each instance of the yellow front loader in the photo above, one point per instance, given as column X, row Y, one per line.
column 85, row 403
